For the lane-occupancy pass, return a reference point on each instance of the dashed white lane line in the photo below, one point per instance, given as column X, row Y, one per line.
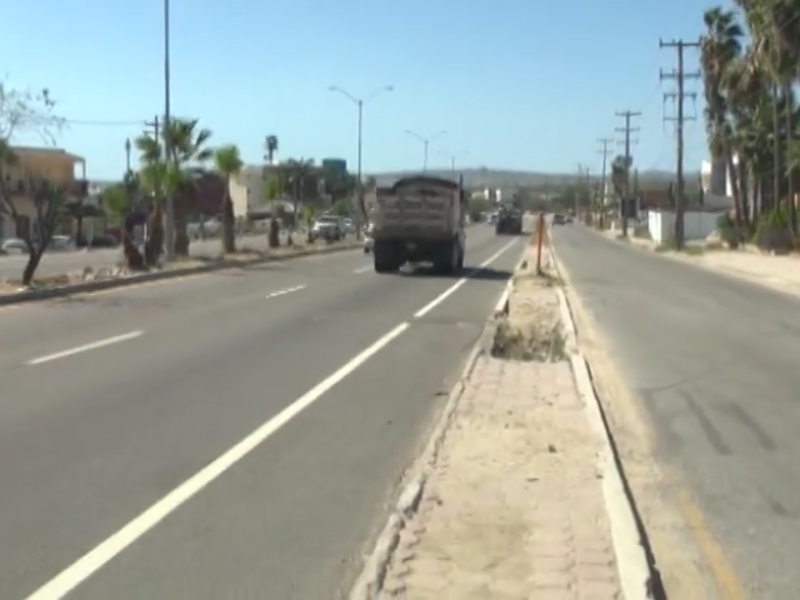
column 437, row 301
column 83, row 568
column 363, row 269
column 86, row 347
column 286, row 291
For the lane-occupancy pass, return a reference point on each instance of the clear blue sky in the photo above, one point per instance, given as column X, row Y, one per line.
column 529, row 86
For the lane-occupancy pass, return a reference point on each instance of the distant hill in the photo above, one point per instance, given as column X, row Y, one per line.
column 499, row 178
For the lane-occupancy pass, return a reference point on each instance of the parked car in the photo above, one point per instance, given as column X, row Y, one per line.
column 14, row 246
column 328, row 227
column 559, row 219
column 61, row 243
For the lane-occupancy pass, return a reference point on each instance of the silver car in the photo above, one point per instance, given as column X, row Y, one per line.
column 328, row 228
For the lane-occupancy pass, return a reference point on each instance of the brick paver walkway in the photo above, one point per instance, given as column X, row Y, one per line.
column 513, row 508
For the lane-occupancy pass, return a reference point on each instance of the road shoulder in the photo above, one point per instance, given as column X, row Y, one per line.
column 688, row 561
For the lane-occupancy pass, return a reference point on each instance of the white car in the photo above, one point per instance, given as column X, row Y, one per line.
column 14, row 246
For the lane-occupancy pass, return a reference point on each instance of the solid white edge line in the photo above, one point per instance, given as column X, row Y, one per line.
column 86, row 347
column 439, row 299
column 73, row 575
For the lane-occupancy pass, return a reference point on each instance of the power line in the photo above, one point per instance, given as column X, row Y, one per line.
column 680, row 76
column 100, row 123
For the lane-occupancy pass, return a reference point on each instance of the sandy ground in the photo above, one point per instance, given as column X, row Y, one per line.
column 513, row 508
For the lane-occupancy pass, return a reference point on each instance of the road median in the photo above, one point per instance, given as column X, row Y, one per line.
column 511, row 496
column 93, row 280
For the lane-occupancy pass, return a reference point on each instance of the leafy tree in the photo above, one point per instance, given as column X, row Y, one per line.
column 29, row 112
column 228, row 163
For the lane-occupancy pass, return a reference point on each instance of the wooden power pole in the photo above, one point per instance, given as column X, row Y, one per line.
column 679, row 95
column 605, row 153
column 627, row 130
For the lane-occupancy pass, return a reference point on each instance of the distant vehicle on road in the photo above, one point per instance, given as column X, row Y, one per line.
column 509, row 221
column 559, row 219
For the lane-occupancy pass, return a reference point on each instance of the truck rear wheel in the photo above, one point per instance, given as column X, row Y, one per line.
column 385, row 258
column 448, row 258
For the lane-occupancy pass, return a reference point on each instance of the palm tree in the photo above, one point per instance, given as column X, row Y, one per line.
column 188, row 148
column 781, row 23
column 271, row 147
column 720, row 47
column 228, row 163
column 152, row 177
column 299, row 174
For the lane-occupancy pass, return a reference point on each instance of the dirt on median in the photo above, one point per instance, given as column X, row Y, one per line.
column 513, row 505
column 90, row 274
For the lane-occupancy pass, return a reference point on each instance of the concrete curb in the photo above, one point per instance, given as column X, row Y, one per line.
column 108, row 284
column 370, row 582
column 633, row 567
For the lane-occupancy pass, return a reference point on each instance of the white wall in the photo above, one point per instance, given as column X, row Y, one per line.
column 696, row 225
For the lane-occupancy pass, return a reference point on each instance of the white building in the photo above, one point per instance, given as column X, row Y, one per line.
column 716, row 184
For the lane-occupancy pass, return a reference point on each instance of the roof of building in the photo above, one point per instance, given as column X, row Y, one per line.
column 45, row 151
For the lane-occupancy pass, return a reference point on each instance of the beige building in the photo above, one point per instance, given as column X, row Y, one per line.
column 247, row 191
column 54, row 165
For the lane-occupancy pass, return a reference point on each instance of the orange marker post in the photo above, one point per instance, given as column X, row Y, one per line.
column 539, row 242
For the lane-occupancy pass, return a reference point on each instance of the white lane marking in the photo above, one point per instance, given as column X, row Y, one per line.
column 363, row 269
column 83, row 568
column 286, row 291
column 71, row 577
column 438, row 300
column 86, row 347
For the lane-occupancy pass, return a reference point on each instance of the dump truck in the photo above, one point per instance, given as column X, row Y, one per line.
column 509, row 220
column 418, row 220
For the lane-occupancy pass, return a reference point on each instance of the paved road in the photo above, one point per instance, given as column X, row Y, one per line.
column 57, row 263
column 715, row 362
column 93, row 435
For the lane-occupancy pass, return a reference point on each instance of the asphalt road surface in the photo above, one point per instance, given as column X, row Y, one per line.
column 128, row 458
column 716, row 363
column 57, row 263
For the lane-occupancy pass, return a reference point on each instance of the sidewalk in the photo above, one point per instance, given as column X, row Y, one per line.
column 513, row 506
column 777, row 272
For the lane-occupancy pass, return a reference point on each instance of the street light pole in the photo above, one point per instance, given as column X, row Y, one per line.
column 169, row 237
column 452, row 158
column 426, row 142
column 359, row 102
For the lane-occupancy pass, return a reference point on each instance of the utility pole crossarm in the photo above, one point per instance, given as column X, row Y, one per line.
column 680, row 76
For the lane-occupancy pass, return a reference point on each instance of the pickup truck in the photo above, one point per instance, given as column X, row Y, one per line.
column 418, row 220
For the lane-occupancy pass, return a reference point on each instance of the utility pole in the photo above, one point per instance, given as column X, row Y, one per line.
column 155, row 126
column 627, row 130
column 605, row 153
column 127, row 157
column 583, row 176
column 680, row 76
